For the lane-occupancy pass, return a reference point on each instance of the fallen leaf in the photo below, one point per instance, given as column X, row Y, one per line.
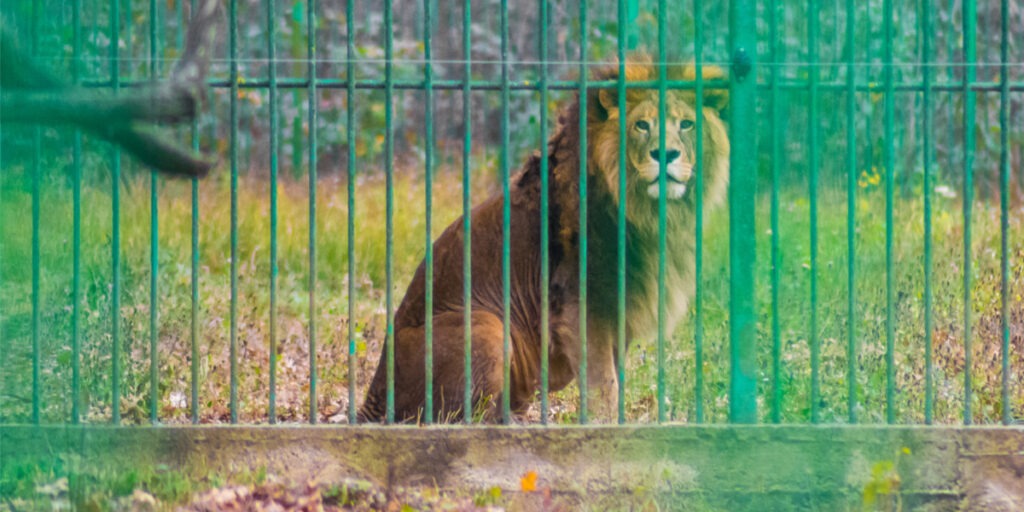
column 528, row 483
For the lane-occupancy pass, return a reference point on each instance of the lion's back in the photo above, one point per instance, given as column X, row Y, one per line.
column 486, row 245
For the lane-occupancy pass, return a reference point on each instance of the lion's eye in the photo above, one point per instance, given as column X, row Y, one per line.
column 643, row 126
column 686, row 124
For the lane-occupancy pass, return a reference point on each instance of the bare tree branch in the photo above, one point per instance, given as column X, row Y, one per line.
column 194, row 62
column 33, row 95
column 86, row 107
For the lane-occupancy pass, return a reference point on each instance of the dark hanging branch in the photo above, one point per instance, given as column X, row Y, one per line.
column 31, row 94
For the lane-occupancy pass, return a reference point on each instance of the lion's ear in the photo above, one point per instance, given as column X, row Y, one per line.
column 717, row 99
column 609, row 100
column 607, row 103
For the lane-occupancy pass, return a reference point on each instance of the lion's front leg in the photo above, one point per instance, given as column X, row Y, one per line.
column 602, row 386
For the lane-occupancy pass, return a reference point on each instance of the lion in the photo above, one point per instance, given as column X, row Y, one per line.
column 486, row 309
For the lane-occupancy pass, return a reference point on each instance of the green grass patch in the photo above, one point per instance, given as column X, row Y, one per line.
column 332, row 316
column 68, row 480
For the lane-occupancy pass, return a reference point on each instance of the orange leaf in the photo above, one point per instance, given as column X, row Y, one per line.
column 528, row 483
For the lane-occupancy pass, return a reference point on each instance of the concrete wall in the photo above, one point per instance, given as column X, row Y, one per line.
column 677, row 467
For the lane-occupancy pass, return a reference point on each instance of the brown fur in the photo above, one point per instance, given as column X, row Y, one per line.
column 526, row 252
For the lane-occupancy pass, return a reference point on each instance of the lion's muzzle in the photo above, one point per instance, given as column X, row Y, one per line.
column 677, row 178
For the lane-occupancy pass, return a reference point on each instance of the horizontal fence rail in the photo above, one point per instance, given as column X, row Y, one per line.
column 571, row 85
column 866, row 267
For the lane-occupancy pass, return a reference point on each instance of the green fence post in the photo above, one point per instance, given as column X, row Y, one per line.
column 970, row 15
column 154, row 246
column 776, row 168
column 851, row 213
column 629, row 21
column 195, row 256
column 926, row 107
column 545, row 263
column 5, row 351
column 195, row 245
column 76, row 236
column 506, row 230
column 313, row 111
column 620, row 261
column 662, row 210
column 350, row 135
column 115, row 244
column 389, row 169
column 37, row 384
column 37, row 135
column 1004, row 206
column 584, row 71
column 812, row 192
column 233, row 54
column 467, row 215
column 951, row 45
column 428, row 259
column 274, row 146
column 742, row 189
column 889, row 168
column 698, row 235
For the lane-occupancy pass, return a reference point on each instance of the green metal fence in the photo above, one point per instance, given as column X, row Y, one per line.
column 781, row 75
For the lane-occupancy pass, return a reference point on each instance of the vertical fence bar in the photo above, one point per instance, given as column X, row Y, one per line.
column 5, row 347
column 742, row 194
column 154, row 226
column 194, row 364
column 970, row 15
column 313, row 113
column 545, row 236
column 467, row 218
column 584, row 349
column 5, row 351
column 812, row 170
column 195, row 257
column 851, row 214
column 951, row 45
column 350, row 134
column 926, row 106
column 776, row 167
column 76, row 229
column 233, row 57
column 115, row 243
column 194, row 269
column 1004, row 200
column 37, row 136
column 698, row 235
column 621, row 246
column 890, row 161
column 36, row 271
column 428, row 260
column 662, row 208
column 506, row 229
column 389, row 169
column 274, row 135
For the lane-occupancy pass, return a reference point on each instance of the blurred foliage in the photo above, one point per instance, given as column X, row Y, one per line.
column 53, row 31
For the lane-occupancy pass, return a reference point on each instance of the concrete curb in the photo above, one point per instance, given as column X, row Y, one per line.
column 682, row 467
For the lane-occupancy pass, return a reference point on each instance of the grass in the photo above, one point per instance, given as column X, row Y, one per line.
column 869, row 320
column 72, row 481
column 332, row 315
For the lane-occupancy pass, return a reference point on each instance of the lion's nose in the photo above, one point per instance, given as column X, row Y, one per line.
column 670, row 155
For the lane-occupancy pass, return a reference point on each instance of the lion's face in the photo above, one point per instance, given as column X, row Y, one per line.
column 643, row 169
column 643, row 146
